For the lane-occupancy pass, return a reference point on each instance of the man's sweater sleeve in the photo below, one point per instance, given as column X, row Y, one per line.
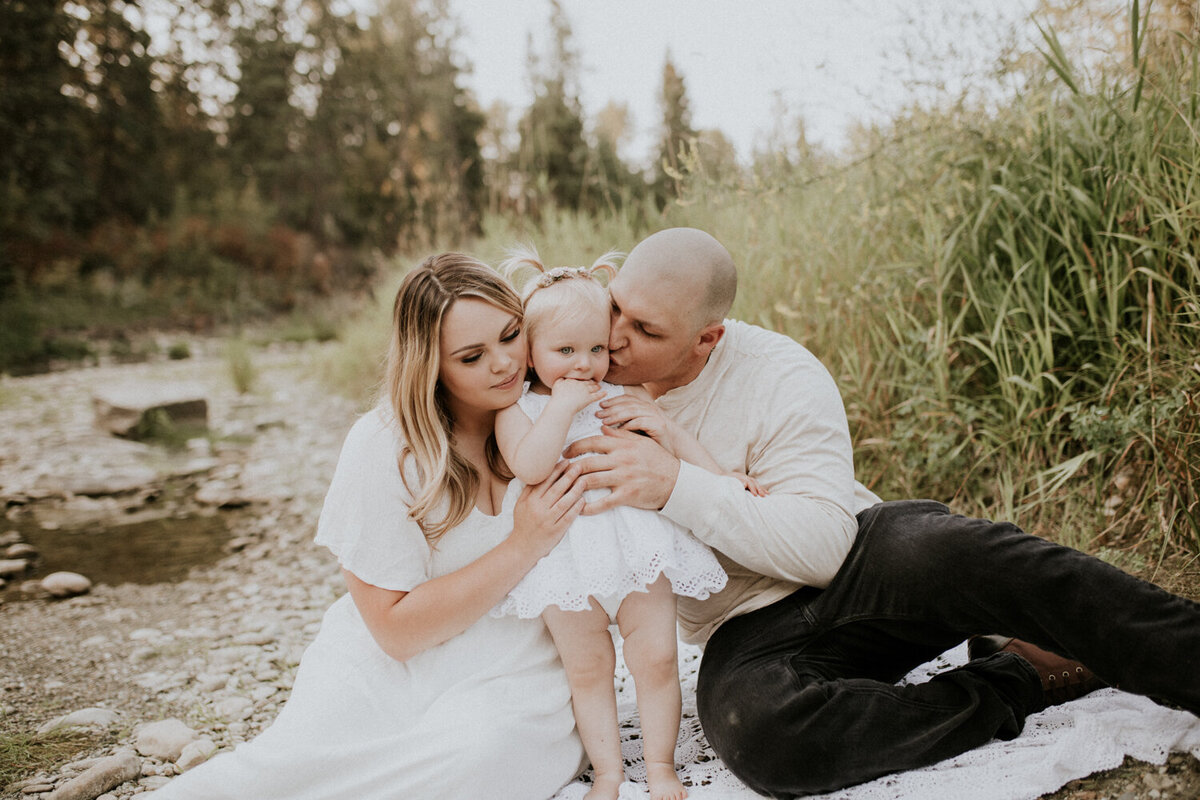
column 803, row 529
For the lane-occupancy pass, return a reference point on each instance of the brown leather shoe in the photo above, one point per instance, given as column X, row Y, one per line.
column 1062, row 679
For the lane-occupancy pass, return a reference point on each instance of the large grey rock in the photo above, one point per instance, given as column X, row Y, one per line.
column 21, row 550
column 113, row 480
column 195, row 753
column 107, row 774
column 234, row 708
column 66, row 584
column 129, row 409
column 164, row 739
column 84, row 717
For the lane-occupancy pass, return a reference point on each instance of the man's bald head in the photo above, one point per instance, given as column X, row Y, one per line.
column 689, row 267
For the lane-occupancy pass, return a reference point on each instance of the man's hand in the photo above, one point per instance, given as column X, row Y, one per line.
column 638, row 470
column 637, row 414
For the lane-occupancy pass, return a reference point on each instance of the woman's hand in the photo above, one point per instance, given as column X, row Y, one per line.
column 543, row 512
column 637, row 414
column 407, row 623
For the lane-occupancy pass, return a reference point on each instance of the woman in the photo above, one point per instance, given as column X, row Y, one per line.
column 410, row 689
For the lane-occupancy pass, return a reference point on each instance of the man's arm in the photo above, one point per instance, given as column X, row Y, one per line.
column 800, row 453
column 635, row 410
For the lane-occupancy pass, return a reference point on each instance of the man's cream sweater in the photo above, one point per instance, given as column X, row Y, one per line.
column 764, row 405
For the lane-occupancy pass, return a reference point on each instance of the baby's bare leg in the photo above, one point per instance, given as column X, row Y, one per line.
column 647, row 623
column 586, row 649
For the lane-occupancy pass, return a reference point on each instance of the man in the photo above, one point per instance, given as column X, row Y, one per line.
column 833, row 595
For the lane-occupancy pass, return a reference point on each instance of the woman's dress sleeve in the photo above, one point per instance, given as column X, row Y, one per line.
column 365, row 521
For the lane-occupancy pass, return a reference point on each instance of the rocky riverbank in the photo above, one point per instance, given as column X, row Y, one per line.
column 215, row 651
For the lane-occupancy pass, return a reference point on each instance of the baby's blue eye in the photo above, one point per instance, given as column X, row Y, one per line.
column 599, row 348
column 566, row 351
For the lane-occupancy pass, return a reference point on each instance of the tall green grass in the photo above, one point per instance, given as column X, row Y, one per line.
column 1057, row 286
column 1009, row 300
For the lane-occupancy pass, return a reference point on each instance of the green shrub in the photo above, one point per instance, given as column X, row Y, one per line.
column 242, row 371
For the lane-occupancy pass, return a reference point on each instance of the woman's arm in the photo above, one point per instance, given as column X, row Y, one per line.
column 407, row 623
column 531, row 449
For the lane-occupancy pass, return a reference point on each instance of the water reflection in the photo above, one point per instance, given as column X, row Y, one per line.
column 149, row 551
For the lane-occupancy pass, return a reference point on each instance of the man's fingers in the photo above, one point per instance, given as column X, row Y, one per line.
column 592, row 444
column 618, row 433
column 635, row 422
column 610, row 500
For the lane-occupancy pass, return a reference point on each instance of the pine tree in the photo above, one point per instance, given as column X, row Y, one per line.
column 676, row 134
column 264, row 122
column 125, row 131
column 394, row 142
column 41, row 126
column 553, row 151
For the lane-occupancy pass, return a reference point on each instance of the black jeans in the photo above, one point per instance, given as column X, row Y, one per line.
column 799, row 698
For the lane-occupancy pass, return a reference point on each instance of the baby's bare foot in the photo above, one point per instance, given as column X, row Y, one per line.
column 605, row 787
column 664, row 783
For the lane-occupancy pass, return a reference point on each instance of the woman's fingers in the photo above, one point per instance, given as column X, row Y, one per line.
column 570, row 505
column 557, row 472
column 547, row 486
column 561, row 481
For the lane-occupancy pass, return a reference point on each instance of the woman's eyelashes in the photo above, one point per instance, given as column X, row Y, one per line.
column 505, row 339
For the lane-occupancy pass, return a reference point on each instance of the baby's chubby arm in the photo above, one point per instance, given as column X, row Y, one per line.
column 531, row 449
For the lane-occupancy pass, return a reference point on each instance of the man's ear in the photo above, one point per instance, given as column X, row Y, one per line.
column 708, row 338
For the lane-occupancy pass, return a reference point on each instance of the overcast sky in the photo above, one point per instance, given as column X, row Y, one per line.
column 829, row 61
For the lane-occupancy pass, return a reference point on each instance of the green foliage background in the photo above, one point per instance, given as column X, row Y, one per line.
column 1009, row 299
column 1008, row 294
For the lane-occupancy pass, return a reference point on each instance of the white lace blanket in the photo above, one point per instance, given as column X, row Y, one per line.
column 1058, row 745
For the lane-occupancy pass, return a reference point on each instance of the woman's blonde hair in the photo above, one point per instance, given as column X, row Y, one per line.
column 417, row 398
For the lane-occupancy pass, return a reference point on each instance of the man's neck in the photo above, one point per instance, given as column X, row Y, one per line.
column 658, row 388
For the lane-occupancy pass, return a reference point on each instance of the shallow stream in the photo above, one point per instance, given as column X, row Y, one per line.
column 147, row 551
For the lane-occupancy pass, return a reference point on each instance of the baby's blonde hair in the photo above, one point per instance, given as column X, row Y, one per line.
column 579, row 286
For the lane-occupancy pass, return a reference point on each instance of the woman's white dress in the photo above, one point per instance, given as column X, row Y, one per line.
column 611, row 554
column 486, row 714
